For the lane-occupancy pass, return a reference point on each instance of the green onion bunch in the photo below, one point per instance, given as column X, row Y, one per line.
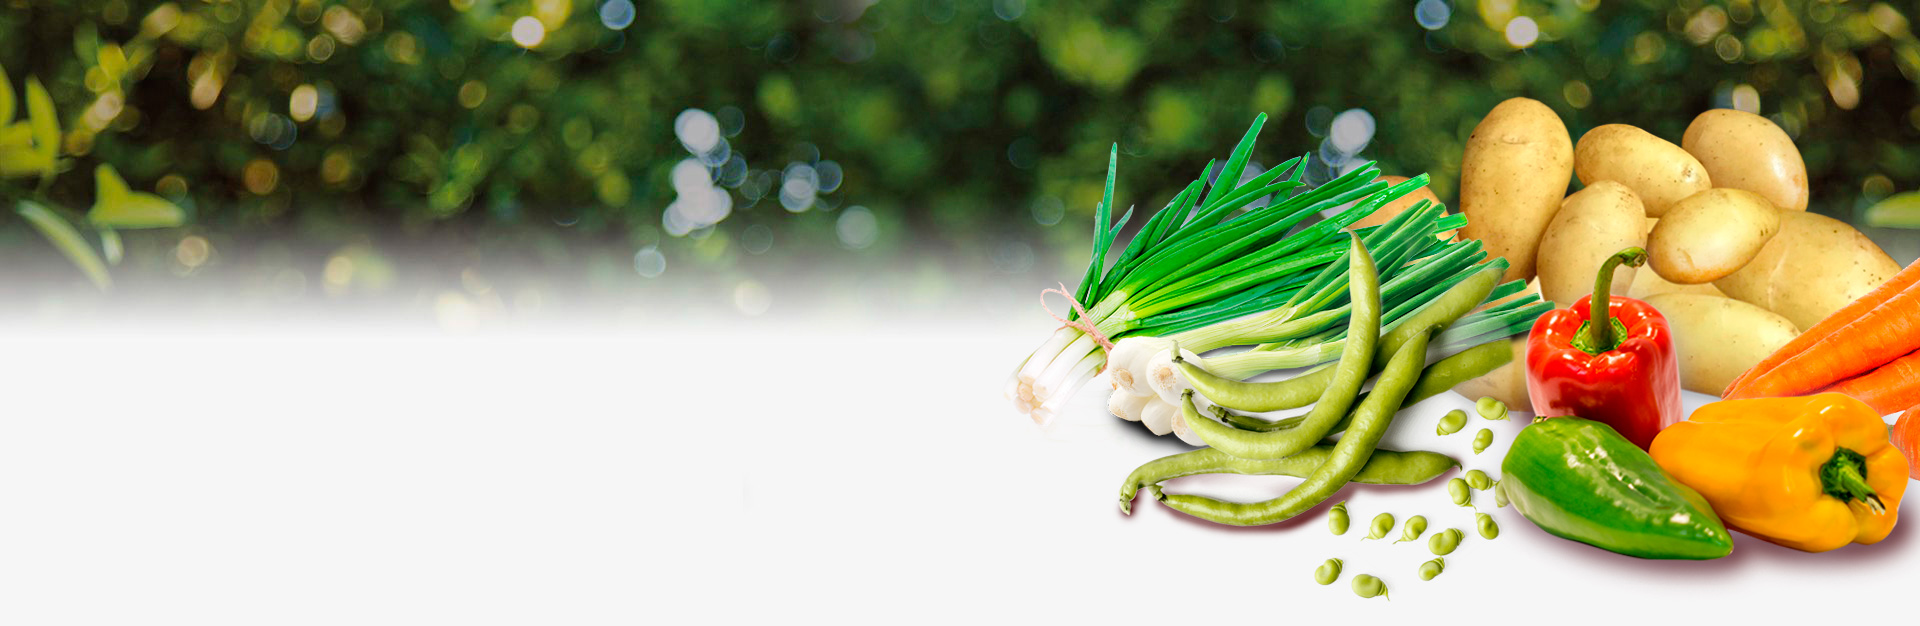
column 1209, row 270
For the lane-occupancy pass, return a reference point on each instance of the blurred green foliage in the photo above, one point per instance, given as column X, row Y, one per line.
column 542, row 134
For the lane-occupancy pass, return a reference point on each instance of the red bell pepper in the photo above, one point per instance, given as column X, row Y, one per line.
column 1612, row 362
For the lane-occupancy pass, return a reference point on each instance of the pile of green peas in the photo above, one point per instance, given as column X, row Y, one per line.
column 1441, row 544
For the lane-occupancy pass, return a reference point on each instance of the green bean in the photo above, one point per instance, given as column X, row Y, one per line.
column 1432, row 568
column 1363, row 332
column 1370, row 423
column 1479, row 480
column 1462, row 494
column 1443, row 543
column 1382, row 524
column 1441, row 376
column 1304, row 389
column 1367, row 586
column 1463, row 366
column 1491, row 409
column 1481, row 440
column 1386, row 467
column 1499, row 496
column 1327, row 572
column 1488, row 529
column 1416, row 526
column 1337, row 518
column 1451, row 423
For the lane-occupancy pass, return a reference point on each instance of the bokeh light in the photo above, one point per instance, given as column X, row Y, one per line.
column 752, row 298
column 857, row 227
column 1522, row 32
column 528, row 32
column 1432, row 14
column 649, row 262
column 303, row 103
column 616, row 14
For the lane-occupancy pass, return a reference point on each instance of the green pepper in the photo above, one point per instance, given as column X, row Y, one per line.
column 1580, row 480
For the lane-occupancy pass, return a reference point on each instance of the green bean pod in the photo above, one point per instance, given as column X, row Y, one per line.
column 1337, row 518
column 1488, row 529
column 1451, row 423
column 1370, row 423
column 1461, row 493
column 1481, row 440
column 1327, row 572
column 1479, row 480
column 1491, row 409
column 1363, row 331
column 1302, row 390
column 1385, row 467
column 1441, row 376
column 1382, row 524
column 1444, row 542
column 1432, row 568
column 1416, row 526
column 1367, row 586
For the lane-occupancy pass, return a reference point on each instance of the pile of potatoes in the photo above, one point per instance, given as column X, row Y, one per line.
column 1735, row 263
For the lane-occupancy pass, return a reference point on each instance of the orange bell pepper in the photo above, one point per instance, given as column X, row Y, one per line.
column 1811, row 473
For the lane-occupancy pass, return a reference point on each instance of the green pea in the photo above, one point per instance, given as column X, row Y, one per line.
column 1337, row 519
column 1432, row 568
column 1499, row 495
column 1382, row 524
column 1491, row 409
column 1416, row 526
column 1328, row 572
column 1479, row 480
column 1366, row 586
column 1452, row 422
column 1462, row 495
column 1488, row 529
column 1442, row 543
column 1481, row 440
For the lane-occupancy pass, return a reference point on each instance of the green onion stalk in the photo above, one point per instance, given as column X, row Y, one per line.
column 1210, row 270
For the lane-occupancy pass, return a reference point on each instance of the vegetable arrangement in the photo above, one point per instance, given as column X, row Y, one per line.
column 1721, row 216
column 1738, row 268
column 1373, row 290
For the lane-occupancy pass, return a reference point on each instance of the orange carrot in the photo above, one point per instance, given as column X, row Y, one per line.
column 1883, row 334
column 1889, row 388
column 1808, row 336
column 1906, row 437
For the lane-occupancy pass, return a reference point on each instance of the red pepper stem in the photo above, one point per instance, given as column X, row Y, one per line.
column 1599, row 333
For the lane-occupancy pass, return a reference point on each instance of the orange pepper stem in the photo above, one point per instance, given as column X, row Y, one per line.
column 1844, row 476
column 1601, row 332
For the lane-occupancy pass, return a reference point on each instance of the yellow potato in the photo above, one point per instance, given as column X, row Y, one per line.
column 1718, row 338
column 1657, row 171
column 1508, row 383
column 1710, row 235
column 1647, row 284
column 1745, row 151
column 1512, row 178
column 1650, row 283
column 1401, row 205
column 1591, row 226
column 1813, row 267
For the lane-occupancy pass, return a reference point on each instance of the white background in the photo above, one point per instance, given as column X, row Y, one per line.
column 759, row 472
